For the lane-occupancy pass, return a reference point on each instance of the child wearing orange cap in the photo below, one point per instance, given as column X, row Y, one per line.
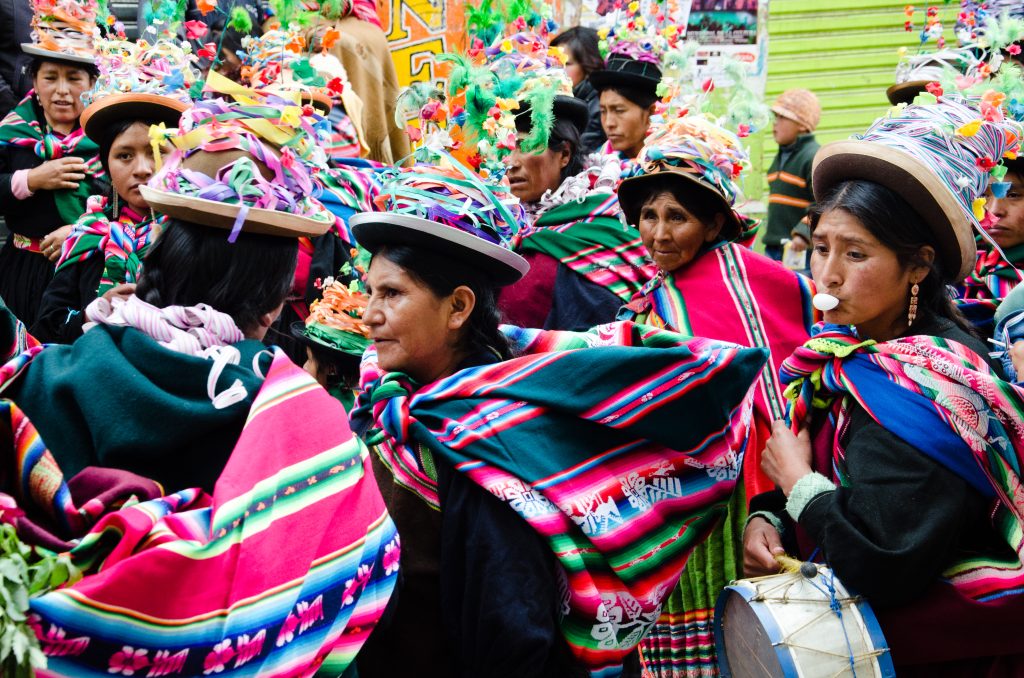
column 797, row 113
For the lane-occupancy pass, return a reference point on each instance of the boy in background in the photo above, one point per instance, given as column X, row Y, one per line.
column 797, row 113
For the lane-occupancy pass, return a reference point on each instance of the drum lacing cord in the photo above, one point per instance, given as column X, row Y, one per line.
column 836, row 607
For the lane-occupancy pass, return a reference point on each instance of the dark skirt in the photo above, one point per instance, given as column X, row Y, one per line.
column 24, row 276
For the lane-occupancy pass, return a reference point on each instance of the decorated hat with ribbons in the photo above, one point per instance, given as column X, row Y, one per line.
column 633, row 46
column 451, row 211
column 335, row 320
column 698, row 138
column 697, row 150
column 139, row 81
column 940, row 157
column 245, row 164
column 64, row 30
column 275, row 62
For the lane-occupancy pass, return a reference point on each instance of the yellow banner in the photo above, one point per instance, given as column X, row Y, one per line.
column 419, row 29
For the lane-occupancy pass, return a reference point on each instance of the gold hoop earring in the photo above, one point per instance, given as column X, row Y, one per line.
column 912, row 312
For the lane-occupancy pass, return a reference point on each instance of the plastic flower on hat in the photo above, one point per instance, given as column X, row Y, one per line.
column 629, row 31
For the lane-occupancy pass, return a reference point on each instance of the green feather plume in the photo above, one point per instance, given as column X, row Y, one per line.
column 483, row 22
column 541, row 101
column 1002, row 31
column 334, row 9
column 478, row 85
column 287, row 11
column 240, row 20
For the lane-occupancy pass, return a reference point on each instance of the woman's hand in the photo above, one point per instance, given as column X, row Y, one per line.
column 51, row 244
column 761, row 543
column 787, row 457
column 56, row 174
column 122, row 291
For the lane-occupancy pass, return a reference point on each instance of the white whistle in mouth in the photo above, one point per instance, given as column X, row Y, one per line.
column 824, row 302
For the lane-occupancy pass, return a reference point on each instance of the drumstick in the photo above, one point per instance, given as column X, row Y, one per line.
column 788, row 563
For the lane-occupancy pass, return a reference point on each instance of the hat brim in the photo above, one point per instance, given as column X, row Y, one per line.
column 632, row 192
column 223, row 215
column 564, row 108
column 911, row 179
column 144, row 107
column 374, row 230
column 906, row 92
column 605, row 79
column 298, row 330
column 35, row 50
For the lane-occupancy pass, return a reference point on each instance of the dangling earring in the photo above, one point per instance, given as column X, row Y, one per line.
column 912, row 313
column 117, row 209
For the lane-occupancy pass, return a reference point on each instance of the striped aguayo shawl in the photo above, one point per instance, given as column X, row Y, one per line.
column 122, row 243
column 21, row 128
column 283, row 571
column 993, row 277
column 727, row 293
column 631, row 468
column 938, row 396
column 590, row 238
column 14, row 338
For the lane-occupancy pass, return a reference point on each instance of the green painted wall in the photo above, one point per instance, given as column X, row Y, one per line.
column 846, row 52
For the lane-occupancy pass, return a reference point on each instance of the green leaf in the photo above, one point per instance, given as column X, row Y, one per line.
column 20, row 647
column 7, row 640
column 36, row 658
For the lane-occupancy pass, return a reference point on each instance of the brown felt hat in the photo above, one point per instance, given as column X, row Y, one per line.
column 905, row 92
column 633, row 192
column 915, row 182
column 144, row 107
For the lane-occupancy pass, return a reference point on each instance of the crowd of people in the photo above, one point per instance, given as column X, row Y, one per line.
column 307, row 373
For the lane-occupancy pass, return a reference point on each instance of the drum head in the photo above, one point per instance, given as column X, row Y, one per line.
column 747, row 651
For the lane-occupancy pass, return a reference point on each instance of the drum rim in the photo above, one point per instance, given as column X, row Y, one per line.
column 747, row 591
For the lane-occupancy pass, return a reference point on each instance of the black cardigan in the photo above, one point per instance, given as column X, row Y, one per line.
column 33, row 217
column 62, row 310
column 904, row 517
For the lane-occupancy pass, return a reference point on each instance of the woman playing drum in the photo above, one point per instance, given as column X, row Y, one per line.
column 899, row 463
